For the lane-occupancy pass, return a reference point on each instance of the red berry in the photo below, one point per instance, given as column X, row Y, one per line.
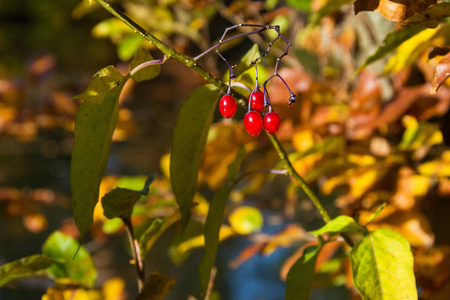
column 272, row 122
column 227, row 106
column 257, row 101
column 253, row 123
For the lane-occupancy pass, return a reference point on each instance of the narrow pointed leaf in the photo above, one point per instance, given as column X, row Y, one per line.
column 214, row 222
column 391, row 42
column 188, row 143
column 33, row 265
column 62, row 248
column 146, row 73
column 300, row 276
column 94, row 127
column 101, row 83
column 382, row 266
column 340, row 224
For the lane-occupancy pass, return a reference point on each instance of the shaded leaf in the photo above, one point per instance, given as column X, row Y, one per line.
column 156, row 287
column 147, row 73
column 94, row 127
column 339, row 224
column 119, row 202
column 154, row 231
column 300, row 276
column 79, row 268
column 442, row 73
column 431, row 17
column 101, row 83
column 214, row 221
column 188, row 142
column 382, row 266
column 33, row 265
column 391, row 42
column 329, row 8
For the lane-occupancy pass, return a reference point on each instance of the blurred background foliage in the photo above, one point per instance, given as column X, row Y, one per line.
column 364, row 139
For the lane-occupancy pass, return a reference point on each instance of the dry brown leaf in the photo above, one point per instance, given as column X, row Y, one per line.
column 442, row 73
column 156, row 287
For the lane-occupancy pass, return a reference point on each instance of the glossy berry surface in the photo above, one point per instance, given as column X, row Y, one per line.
column 257, row 101
column 272, row 122
column 253, row 123
column 227, row 106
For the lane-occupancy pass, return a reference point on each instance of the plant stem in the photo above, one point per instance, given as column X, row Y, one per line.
column 192, row 63
column 136, row 254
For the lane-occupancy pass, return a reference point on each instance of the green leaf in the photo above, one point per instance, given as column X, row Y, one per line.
column 94, row 127
column 382, row 265
column 300, row 276
column 156, row 287
column 246, row 61
column 128, row 46
column 302, row 5
column 376, row 213
column 329, row 8
column 147, row 73
column 391, row 42
column 340, row 224
column 119, row 202
column 154, row 231
column 62, row 248
column 33, row 265
column 101, row 83
column 188, row 143
column 214, row 221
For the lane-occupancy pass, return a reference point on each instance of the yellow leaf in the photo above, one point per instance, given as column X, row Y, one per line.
column 199, row 240
column 64, row 293
column 410, row 50
column 362, row 159
column 303, row 140
column 164, row 164
column 246, row 219
column 113, row 289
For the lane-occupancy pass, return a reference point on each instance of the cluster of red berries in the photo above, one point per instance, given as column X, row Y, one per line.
column 253, row 121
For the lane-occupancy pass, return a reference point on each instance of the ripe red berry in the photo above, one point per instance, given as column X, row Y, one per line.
column 253, row 123
column 272, row 122
column 227, row 106
column 257, row 101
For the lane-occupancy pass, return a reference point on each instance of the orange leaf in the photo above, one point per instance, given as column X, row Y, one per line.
column 442, row 73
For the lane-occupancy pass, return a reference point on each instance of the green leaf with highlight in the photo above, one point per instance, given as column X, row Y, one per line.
column 79, row 268
column 94, row 128
column 391, row 42
column 300, row 276
column 340, row 224
column 188, row 143
column 101, row 83
column 246, row 62
column 146, row 73
column 214, row 221
column 382, row 266
column 33, row 265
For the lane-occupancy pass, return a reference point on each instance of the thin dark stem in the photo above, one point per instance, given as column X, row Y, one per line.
column 134, row 244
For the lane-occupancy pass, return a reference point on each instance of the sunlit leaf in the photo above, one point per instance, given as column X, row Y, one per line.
column 69, row 292
column 188, row 142
column 147, row 73
column 246, row 62
column 214, row 220
column 376, row 213
column 301, row 274
column 79, row 268
column 382, row 266
column 329, row 8
column 302, row 5
column 114, row 289
column 128, row 46
column 417, row 135
column 94, row 127
column 199, row 241
column 34, row 265
column 340, row 224
column 156, row 287
column 246, row 219
column 442, row 73
column 101, row 83
column 391, row 42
